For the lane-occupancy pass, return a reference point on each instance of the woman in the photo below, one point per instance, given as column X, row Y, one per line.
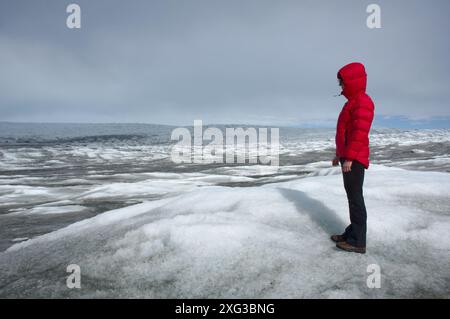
column 352, row 151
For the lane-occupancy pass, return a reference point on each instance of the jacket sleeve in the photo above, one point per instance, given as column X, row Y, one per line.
column 361, row 116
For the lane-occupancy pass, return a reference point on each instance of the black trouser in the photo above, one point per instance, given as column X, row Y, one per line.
column 355, row 233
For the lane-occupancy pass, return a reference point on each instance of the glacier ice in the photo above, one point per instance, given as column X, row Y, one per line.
column 270, row 241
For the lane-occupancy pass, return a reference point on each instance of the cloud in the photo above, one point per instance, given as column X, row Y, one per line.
column 220, row 61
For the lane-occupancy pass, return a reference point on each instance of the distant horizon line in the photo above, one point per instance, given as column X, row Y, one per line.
column 419, row 125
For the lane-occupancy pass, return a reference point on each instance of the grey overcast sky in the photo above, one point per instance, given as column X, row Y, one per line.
column 222, row 61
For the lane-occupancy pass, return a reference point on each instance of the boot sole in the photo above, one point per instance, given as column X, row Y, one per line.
column 352, row 250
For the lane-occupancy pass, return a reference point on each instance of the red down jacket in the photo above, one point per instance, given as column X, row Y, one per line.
column 355, row 119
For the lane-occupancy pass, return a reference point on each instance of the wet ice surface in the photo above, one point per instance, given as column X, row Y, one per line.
column 216, row 230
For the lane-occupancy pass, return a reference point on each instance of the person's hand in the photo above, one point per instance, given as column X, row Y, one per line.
column 347, row 166
column 335, row 161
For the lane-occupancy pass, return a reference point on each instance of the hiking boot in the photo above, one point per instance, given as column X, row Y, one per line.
column 337, row 238
column 347, row 247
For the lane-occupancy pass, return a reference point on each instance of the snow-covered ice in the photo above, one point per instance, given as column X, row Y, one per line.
column 268, row 241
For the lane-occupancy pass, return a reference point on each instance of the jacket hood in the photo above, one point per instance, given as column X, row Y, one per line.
column 355, row 79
